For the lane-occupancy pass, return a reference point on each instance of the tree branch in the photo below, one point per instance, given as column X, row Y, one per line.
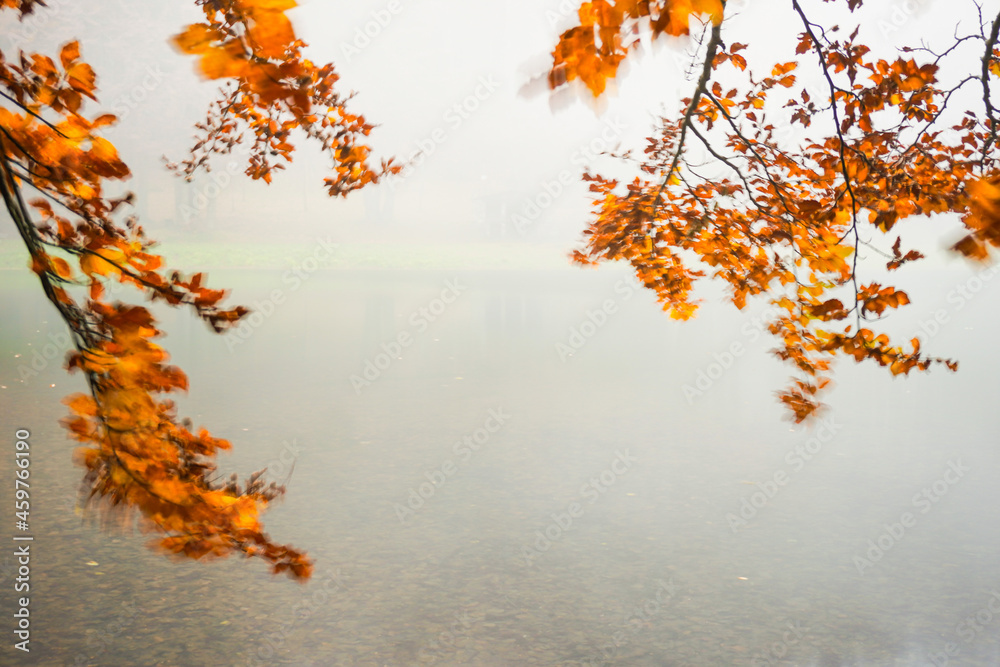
column 706, row 72
column 990, row 111
column 840, row 145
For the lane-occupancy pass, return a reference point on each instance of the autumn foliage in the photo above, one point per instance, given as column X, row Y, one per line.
column 782, row 214
column 271, row 91
column 139, row 456
column 777, row 214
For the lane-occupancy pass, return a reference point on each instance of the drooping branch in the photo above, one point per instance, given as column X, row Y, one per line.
column 988, row 57
column 849, row 188
column 706, row 72
column 69, row 312
column 811, row 197
column 140, row 458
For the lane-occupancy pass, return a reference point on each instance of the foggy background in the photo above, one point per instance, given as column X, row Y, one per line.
column 283, row 386
column 460, row 82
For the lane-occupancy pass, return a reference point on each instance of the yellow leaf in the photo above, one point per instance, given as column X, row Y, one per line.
column 74, row 128
column 103, row 150
column 220, row 64
column 270, row 5
column 95, row 264
column 711, row 7
column 82, row 78
column 843, row 251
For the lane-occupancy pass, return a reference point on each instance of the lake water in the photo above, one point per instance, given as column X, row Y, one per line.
column 484, row 498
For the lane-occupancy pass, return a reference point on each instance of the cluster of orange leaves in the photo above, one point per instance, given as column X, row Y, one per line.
column 140, row 458
column 138, row 454
column 785, row 219
column 593, row 50
column 273, row 91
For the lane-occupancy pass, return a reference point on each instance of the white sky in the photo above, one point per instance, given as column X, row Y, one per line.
column 429, row 56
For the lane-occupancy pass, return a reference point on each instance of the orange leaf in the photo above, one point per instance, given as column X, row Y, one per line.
column 61, row 267
column 81, row 404
column 197, row 38
column 271, row 34
column 270, row 5
column 972, row 249
column 222, row 63
column 69, row 53
column 103, row 150
column 82, row 79
column 104, row 119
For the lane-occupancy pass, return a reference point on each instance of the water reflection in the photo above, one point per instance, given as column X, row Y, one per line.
column 639, row 566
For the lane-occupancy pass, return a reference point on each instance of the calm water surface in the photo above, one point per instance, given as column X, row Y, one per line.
column 488, row 499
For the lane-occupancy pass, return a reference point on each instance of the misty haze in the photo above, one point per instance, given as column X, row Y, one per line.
column 493, row 455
